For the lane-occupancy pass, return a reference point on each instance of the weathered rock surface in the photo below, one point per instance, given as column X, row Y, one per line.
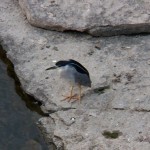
column 118, row 102
column 85, row 130
column 99, row 18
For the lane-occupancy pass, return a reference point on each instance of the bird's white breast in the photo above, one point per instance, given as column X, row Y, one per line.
column 67, row 72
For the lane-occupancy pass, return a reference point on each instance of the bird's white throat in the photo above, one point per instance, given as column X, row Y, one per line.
column 67, row 73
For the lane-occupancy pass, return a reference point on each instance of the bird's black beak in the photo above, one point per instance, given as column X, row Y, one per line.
column 51, row 68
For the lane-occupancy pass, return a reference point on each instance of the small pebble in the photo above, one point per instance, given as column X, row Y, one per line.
column 47, row 46
column 73, row 119
column 98, row 46
column 55, row 48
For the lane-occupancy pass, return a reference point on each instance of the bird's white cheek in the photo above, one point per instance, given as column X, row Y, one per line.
column 62, row 72
column 59, row 70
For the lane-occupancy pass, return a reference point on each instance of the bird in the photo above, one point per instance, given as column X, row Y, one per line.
column 75, row 73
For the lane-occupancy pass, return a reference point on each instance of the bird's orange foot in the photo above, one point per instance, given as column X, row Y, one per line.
column 69, row 98
column 76, row 98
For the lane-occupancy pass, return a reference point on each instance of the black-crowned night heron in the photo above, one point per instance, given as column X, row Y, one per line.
column 75, row 74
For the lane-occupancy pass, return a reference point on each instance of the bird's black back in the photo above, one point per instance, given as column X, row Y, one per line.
column 78, row 67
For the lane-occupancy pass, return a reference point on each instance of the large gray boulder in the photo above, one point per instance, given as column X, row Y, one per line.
column 113, row 114
column 97, row 17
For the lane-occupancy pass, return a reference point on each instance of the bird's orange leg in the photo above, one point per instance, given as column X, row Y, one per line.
column 68, row 98
column 80, row 89
column 78, row 97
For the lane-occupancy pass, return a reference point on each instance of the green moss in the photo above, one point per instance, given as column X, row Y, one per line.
column 111, row 135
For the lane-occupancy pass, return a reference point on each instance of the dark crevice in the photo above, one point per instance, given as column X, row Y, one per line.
column 119, row 109
column 122, row 29
column 141, row 110
column 59, row 109
column 136, row 109
column 66, row 109
column 30, row 101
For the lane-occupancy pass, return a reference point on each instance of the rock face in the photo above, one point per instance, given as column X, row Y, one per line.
column 113, row 114
column 99, row 18
column 95, row 130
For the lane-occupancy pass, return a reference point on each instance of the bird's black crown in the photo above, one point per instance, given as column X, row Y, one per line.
column 61, row 63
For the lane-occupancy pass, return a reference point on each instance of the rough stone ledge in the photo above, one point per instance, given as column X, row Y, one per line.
column 98, row 18
column 126, row 29
column 83, row 129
